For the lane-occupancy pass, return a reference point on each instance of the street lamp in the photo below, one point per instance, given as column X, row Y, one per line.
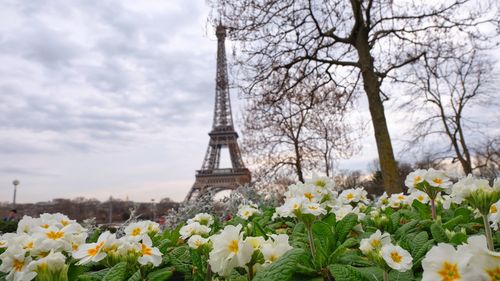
column 153, row 209
column 15, row 183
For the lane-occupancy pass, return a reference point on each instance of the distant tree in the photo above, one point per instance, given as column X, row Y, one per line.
column 351, row 44
column 298, row 133
column 446, row 90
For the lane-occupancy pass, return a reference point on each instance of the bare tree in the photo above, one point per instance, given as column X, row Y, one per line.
column 344, row 43
column 446, row 88
column 281, row 136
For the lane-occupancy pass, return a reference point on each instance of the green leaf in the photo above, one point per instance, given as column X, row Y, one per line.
column 351, row 242
column 401, row 276
column 459, row 238
column 346, row 273
column 438, row 233
column 116, row 273
column 344, row 226
column 94, row 276
column 76, row 270
column 418, row 242
column 136, row 276
column 408, row 227
column 454, row 222
column 282, row 269
column 160, row 274
column 322, row 235
column 423, row 210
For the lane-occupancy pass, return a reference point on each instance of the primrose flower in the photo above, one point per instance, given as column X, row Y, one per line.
column 256, row 242
column 290, row 208
column 420, row 196
column 314, row 209
column 484, row 264
column 443, row 262
column 148, row 253
column 397, row 200
column 437, row 178
column 396, row 257
column 93, row 252
column 494, row 215
column 203, row 219
column 192, row 229
column 351, row 195
column 414, row 178
column 15, row 263
column 197, row 241
column 137, row 230
column 49, row 266
column 229, row 250
column 374, row 242
column 275, row 247
column 246, row 211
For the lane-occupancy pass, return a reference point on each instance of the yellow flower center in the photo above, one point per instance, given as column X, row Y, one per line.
column 28, row 245
column 375, row 243
column 74, row 246
column 449, row 272
column 246, row 213
column 417, row 179
column 273, row 258
column 296, row 206
column 64, row 222
column 136, row 231
column 18, row 265
column 54, row 235
column 493, row 209
column 309, row 196
column 396, row 257
column 420, row 198
column 233, row 246
column 197, row 243
column 146, row 251
column 350, row 196
column 401, row 197
column 313, row 207
column 437, row 180
column 45, row 226
column 494, row 273
column 93, row 251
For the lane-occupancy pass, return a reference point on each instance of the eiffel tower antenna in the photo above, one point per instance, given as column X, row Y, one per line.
column 223, row 135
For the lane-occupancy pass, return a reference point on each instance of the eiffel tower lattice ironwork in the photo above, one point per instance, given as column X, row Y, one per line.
column 211, row 177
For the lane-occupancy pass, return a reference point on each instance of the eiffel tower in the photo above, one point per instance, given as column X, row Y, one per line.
column 211, row 177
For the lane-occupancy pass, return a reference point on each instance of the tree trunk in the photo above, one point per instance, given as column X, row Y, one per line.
column 388, row 166
column 298, row 161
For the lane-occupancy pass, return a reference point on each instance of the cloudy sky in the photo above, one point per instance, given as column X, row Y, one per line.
column 114, row 97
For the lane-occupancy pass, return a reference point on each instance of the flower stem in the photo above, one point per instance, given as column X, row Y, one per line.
column 487, row 231
column 311, row 240
column 386, row 275
column 433, row 208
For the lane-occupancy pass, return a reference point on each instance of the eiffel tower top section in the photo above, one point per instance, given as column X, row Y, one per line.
column 223, row 118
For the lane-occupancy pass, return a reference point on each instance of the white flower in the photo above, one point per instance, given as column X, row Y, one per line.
column 290, row 207
column 246, row 211
column 196, row 241
column 437, row 178
column 420, row 196
column 256, row 242
column 323, row 182
column 484, row 264
column 27, row 224
column 229, row 250
column 342, row 211
column 93, row 252
column 494, row 215
column 313, row 209
column 464, row 187
column 192, row 229
column 415, row 178
column 397, row 200
column 374, row 242
column 350, row 195
column 137, row 230
column 149, row 254
column 396, row 257
column 275, row 247
column 443, row 261
column 55, row 238
column 15, row 262
column 54, row 261
column 203, row 219
column 153, row 227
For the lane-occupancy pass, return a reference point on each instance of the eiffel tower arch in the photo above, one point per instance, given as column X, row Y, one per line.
column 211, row 177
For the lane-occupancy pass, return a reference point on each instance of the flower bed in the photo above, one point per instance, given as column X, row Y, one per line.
column 439, row 231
